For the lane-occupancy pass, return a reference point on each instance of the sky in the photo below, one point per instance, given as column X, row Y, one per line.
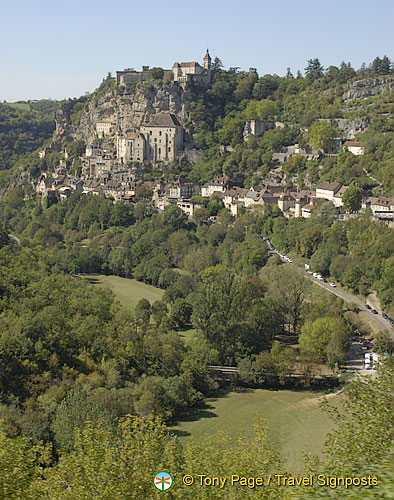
column 59, row 50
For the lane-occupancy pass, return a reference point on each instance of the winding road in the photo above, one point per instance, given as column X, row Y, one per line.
column 346, row 296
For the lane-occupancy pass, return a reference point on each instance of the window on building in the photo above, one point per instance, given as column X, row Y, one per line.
column 159, row 151
column 150, row 132
column 160, row 132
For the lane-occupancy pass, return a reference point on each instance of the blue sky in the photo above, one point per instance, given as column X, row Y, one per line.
column 64, row 49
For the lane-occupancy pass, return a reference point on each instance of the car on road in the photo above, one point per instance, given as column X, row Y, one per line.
column 320, row 278
column 384, row 315
column 290, row 261
column 314, row 275
column 368, row 306
column 333, row 285
column 309, row 272
column 374, row 311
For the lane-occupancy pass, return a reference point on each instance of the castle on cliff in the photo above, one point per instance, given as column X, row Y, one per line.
column 183, row 73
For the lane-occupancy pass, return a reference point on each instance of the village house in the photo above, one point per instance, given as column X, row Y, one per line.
column 327, row 190
column 286, row 202
column 45, row 184
column 337, row 198
column 301, row 202
column 357, row 148
column 183, row 188
column 216, row 185
column 306, row 210
column 379, row 206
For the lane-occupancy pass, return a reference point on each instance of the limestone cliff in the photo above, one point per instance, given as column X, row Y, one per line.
column 127, row 107
column 369, row 88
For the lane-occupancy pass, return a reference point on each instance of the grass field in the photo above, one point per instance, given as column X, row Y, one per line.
column 187, row 334
column 127, row 291
column 296, row 422
column 19, row 105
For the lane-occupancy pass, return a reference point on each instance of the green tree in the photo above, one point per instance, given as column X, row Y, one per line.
column 352, row 199
column 157, row 73
column 384, row 343
column 181, row 312
column 72, row 414
column 314, row 69
column 327, row 338
column 322, row 136
column 159, row 310
column 21, row 464
column 143, row 310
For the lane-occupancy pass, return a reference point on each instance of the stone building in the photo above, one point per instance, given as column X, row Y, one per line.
column 257, row 128
column 104, row 127
column 184, row 188
column 357, row 148
column 132, row 76
column 159, row 140
column 163, row 137
column 185, row 72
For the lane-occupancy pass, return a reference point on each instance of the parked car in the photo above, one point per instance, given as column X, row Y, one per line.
column 368, row 306
column 309, row 272
column 384, row 315
column 333, row 284
column 314, row 275
column 374, row 311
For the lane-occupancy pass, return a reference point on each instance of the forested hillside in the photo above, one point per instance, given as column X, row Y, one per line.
column 88, row 387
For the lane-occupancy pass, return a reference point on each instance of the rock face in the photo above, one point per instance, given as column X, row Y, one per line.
column 127, row 108
column 354, row 127
column 64, row 128
column 369, row 87
column 132, row 109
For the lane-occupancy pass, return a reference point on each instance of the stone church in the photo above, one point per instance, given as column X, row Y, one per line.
column 159, row 140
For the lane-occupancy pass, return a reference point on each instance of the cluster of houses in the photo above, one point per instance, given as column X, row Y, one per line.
column 122, row 185
column 115, row 173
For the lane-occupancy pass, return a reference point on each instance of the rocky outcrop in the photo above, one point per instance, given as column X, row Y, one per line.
column 369, row 87
column 354, row 127
column 132, row 109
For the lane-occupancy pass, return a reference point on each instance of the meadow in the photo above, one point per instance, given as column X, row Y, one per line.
column 127, row 291
column 295, row 420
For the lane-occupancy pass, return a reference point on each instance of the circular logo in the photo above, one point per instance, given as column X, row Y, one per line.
column 163, row 480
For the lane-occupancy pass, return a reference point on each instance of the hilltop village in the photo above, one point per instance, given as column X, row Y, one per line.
column 114, row 162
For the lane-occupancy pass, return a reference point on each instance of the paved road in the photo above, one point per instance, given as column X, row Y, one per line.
column 348, row 297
